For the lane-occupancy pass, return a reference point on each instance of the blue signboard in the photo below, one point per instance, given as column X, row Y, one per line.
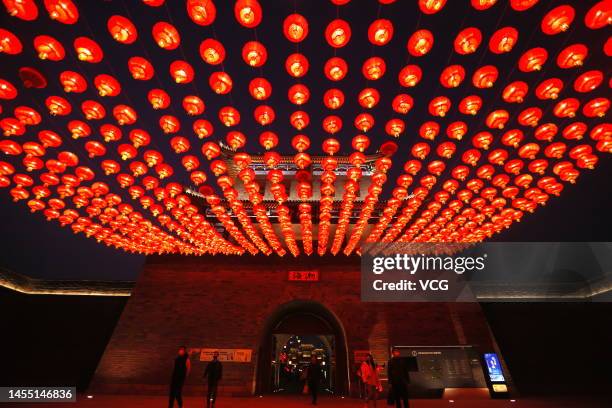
column 494, row 368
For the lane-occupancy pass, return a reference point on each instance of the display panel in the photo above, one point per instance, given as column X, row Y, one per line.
column 494, row 368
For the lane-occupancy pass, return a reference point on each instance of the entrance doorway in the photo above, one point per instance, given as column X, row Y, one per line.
column 293, row 334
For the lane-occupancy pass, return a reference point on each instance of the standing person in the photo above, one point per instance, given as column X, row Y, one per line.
column 369, row 375
column 314, row 378
column 214, row 372
column 182, row 366
column 398, row 376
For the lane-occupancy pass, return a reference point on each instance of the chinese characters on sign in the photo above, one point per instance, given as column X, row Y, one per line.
column 304, row 276
column 225, row 355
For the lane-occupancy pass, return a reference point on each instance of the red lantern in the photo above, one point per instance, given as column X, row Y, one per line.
column 420, row 43
column 296, row 65
column 456, row 130
column 264, row 115
column 125, row 115
column 254, row 54
column 452, row 76
column 533, row 59
column 193, row 105
column 439, row 106
column 202, row 12
column 299, row 120
column 300, row 143
column 512, row 137
column 497, row 119
column 468, row 41
column 380, row 31
column 575, row 131
column 88, row 50
column 126, row 151
column 530, row 116
column 557, row 20
column 546, row 132
column 63, row 11
column 335, row 69
column 599, row 15
column 503, row 40
column 470, row 105
column 588, row 81
column 107, row 85
column 235, row 139
column 27, row 115
column 140, row 68
column 56, row 105
column 482, row 140
column 429, row 130
column 338, row 33
column 567, row 108
column 122, row 29
column 12, row 127
column 203, row 128
column 331, row 146
column 110, row 133
column 364, row 122
column 402, row 103
column 332, row 124
column 260, row 89
column 93, row 110
column 79, row 129
column 220, row 82
column 596, row 108
column 572, row 56
column 182, row 72
column 73, row 82
column 49, row 48
column 23, row 9
column 248, row 13
column 229, row 116
column 333, row 98
column 431, row 6
column 549, row 89
column 395, row 127
column 410, row 75
column 483, row 4
column 360, row 143
column 166, row 35
column 268, row 140
column 298, row 94
column 212, row 51
column 485, row 77
column 295, row 28
column 9, row 43
column 159, row 99
column 374, row 68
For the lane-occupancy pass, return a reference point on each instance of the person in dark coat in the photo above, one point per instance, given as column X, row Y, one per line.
column 214, row 372
column 314, row 378
column 398, row 376
column 182, row 366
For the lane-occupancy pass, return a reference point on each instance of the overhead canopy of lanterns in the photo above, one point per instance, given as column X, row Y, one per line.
column 117, row 119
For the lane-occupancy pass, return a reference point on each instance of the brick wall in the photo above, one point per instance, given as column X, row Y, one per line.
column 225, row 302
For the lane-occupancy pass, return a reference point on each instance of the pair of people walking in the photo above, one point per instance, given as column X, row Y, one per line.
column 182, row 368
column 397, row 374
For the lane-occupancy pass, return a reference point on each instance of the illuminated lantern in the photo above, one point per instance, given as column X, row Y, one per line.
column 169, row 124
column 190, row 163
column 567, row 108
column 264, row 115
column 220, row 82
column 483, row 4
column 218, row 167
column 201, row 12
column 588, row 81
column 93, row 110
column 420, row 150
column 10, row 147
column 503, row 40
column 470, row 105
column 468, row 40
column 380, row 31
column 332, row 124
column 212, row 51
column 363, row 122
column 338, row 33
column 300, row 143
column 599, row 15
column 402, row 103
column 229, row 116
column 127, row 151
column 529, row 150
column 295, row 28
column 572, row 56
column 159, row 99
column 235, row 139
column 73, row 82
column 110, row 133
column 122, row 29
column 331, row 146
column 533, row 59
column 335, row 69
column 164, row 170
column 49, row 48
column 79, row 129
column 546, row 132
column 431, row 6
column 360, row 143
column 420, row 43
column 193, row 105
column 604, row 145
column 374, row 68
column 140, row 68
column 410, row 75
column 88, row 50
column 203, row 128
column 452, row 76
column 268, row 140
column 557, row 20
column 471, row 157
column 340, row 2
column 439, row 106
column 95, row 149
column 497, row 119
column 512, row 137
column 429, row 130
column 139, row 137
column 27, row 115
column 153, row 158
column 63, row 11
column 260, row 89
column 530, row 117
column 522, row 5
column 57, row 105
column 248, row 13
column 302, row 160
column 395, row 127
column 298, row 94
column 575, row 131
column 166, row 35
column 482, row 140
column 125, row 115
column 299, row 120
column 602, row 132
column 23, row 9
column 272, row 159
column 107, row 85
column 549, row 89
column 538, row 166
column 254, row 54
column 182, row 72
column 333, row 98
column 456, row 130
column 9, row 43
column 596, row 108
column 12, row 127
column 296, row 65
column 485, row 77
column 180, row 144
column 436, row 167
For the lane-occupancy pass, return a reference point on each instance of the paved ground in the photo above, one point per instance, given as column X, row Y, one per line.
column 298, row 401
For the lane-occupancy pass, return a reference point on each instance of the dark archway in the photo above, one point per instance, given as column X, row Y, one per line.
column 302, row 317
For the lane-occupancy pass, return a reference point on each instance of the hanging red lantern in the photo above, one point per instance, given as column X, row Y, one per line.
column 374, row 68
column 549, row 89
column 331, row 146
column 79, row 129
column 596, row 108
column 12, row 127
column 572, row 56
column 88, row 50
column 410, row 75
column 235, row 139
column 73, row 82
column 338, row 33
column 107, row 85
column 140, row 68
column 363, row 122
column 485, row 77
column 260, row 89
column 452, row 76
column 254, row 54
column 497, row 119
column 335, row 69
column 182, row 72
column 268, row 140
column 530, row 116
column 57, row 105
column 212, row 51
column 203, row 128
column 202, row 12
column 380, row 32
column 49, row 48
column 27, row 115
column 333, row 98
column 360, row 143
column 599, row 15
column 302, row 160
column 332, row 124
column 588, row 81
column 513, row 137
column 298, row 94
column 166, row 36
column 9, row 43
column 229, row 116
column 169, row 124
column 439, row 106
column 420, row 43
column 63, row 11
column 10, row 147
column 193, row 105
column 23, row 9
column 395, row 127
column 468, row 41
column 431, row 6
column 402, row 103
column 575, row 131
column 295, row 28
column 420, row 150
column 220, row 82
column 567, row 108
column 122, row 29
column 482, row 140
column 300, row 143
column 470, row 105
column 429, row 130
column 299, row 120
column 296, row 65
column 483, row 4
column 456, row 130
column 248, row 13
column 558, row 20
column 126, row 151
column 125, row 115
column 503, row 40
column 264, row 115
column 533, row 59
column 139, row 137
column 368, row 98
column 159, row 99
column 93, row 110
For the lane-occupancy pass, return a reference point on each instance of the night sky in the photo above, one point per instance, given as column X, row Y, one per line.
column 33, row 246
